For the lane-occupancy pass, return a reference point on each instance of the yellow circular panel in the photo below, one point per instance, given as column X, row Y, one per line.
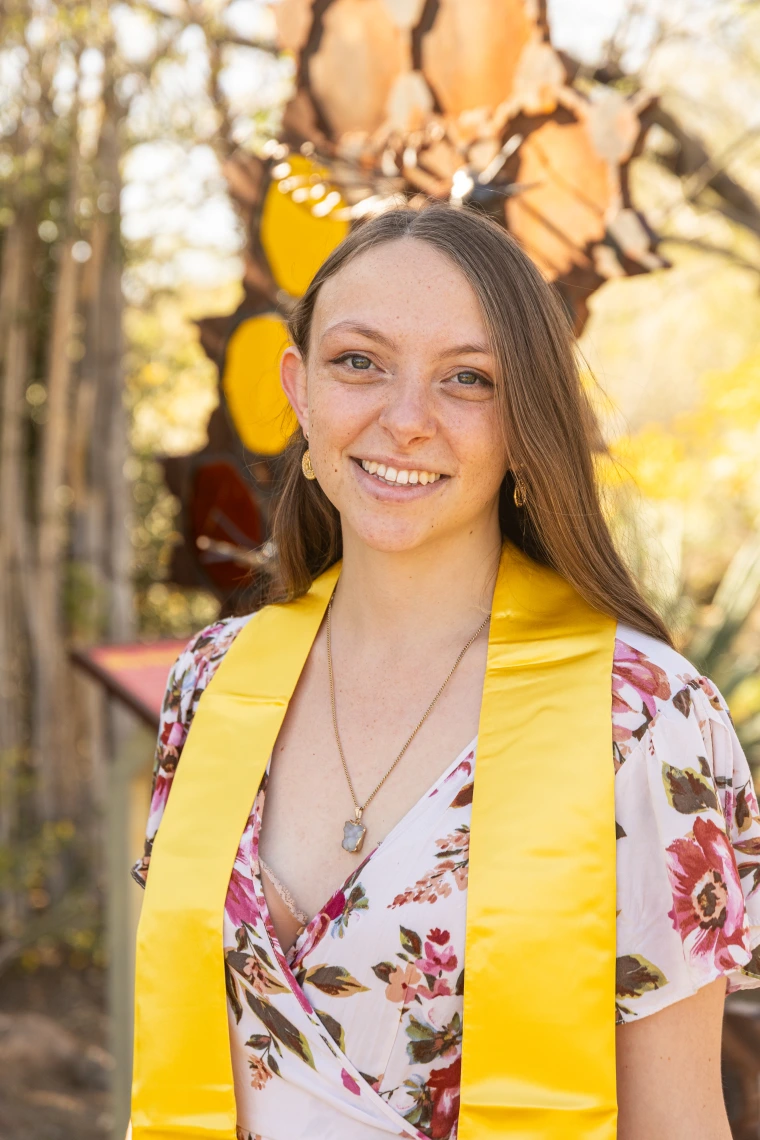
column 295, row 240
column 260, row 411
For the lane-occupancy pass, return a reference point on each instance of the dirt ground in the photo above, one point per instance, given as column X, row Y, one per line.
column 54, row 1069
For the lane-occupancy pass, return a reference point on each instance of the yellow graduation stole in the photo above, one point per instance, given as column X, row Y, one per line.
column 539, row 1049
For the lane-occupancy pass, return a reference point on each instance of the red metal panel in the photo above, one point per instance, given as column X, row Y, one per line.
column 135, row 673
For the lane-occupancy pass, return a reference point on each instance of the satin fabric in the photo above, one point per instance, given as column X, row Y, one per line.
column 547, row 681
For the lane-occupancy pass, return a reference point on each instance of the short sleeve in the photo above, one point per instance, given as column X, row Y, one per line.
column 688, row 853
column 187, row 681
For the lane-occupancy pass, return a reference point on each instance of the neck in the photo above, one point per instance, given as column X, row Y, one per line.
column 440, row 591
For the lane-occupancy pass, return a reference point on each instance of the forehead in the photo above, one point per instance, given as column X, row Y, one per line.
column 404, row 287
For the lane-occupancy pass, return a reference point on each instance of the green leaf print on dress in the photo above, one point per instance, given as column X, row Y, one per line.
column 688, row 791
column 426, row 1042
column 333, row 980
column 634, row 976
column 281, row 1028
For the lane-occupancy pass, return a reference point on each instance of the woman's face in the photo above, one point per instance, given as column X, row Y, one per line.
column 397, row 399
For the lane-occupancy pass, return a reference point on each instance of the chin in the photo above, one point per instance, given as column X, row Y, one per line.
column 392, row 539
column 397, row 538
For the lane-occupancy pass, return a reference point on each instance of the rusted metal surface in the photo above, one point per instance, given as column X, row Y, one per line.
column 462, row 100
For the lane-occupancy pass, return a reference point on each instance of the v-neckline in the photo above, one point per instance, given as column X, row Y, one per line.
column 290, row 955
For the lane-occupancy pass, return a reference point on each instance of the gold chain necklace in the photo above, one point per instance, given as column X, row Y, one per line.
column 354, row 830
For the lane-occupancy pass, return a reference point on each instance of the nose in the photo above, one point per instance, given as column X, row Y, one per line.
column 407, row 413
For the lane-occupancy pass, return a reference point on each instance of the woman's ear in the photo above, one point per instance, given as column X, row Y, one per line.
column 293, row 380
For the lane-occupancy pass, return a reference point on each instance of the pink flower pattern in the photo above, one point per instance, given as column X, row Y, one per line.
column 350, row 1083
column 369, row 999
column 707, row 896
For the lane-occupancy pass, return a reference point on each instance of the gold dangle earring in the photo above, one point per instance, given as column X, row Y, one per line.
column 306, row 466
column 520, row 495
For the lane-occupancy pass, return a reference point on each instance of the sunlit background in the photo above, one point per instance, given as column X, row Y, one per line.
column 118, row 235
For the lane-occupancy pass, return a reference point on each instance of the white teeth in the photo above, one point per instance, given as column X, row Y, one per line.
column 400, row 477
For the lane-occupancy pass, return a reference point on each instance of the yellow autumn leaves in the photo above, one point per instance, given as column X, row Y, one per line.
column 708, row 455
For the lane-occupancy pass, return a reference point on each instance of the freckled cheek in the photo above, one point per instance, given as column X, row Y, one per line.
column 338, row 414
column 479, row 446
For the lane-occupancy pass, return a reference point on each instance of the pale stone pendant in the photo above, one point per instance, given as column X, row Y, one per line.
column 353, row 835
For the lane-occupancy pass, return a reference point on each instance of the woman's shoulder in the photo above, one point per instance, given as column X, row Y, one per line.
column 199, row 660
column 191, row 673
column 188, row 679
column 688, row 832
column 652, row 682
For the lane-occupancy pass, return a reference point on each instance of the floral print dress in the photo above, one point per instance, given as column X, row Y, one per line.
column 356, row 1031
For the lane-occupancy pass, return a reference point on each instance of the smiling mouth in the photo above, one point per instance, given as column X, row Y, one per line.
column 399, row 477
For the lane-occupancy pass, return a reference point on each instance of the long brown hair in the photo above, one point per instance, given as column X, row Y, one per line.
column 550, row 429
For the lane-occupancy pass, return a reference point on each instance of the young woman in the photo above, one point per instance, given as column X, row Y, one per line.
column 456, row 652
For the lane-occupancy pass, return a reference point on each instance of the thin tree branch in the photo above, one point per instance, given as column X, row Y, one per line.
column 708, row 247
column 690, row 158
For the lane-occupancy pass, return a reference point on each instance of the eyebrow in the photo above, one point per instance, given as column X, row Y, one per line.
column 381, row 338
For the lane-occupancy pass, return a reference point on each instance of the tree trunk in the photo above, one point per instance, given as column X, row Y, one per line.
column 117, row 561
column 52, row 730
column 15, row 305
column 101, row 535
